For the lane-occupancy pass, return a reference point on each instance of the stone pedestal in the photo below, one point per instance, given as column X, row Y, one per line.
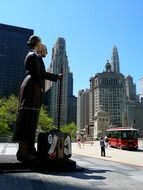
column 9, row 163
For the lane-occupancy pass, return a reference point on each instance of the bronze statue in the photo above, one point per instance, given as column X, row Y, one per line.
column 30, row 99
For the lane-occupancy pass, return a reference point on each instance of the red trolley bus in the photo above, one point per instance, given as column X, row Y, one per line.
column 123, row 138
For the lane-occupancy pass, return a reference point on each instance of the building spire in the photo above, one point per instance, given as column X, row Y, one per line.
column 115, row 60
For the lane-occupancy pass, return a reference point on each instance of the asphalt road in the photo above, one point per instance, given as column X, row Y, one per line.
column 98, row 175
column 111, row 175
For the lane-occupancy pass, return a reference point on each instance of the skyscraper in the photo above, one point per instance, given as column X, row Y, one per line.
column 59, row 64
column 134, row 111
column 83, row 109
column 130, row 88
column 115, row 60
column 108, row 91
column 141, row 89
column 72, row 100
column 12, row 53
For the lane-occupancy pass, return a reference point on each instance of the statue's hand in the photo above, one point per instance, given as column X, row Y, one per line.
column 60, row 76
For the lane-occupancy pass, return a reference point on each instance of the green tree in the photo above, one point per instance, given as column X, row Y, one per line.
column 70, row 128
column 45, row 122
column 8, row 112
column 8, row 109
column 4, row 129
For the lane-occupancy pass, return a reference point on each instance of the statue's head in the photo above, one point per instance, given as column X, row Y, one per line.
column 43, row 51
column 34, row 42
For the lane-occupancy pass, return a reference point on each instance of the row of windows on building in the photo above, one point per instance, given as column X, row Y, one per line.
column 111, row 81
column 107, row 119
column 103, row 119
column 109, row 93
column 108, row 102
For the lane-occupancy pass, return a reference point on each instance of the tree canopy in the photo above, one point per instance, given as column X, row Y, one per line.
column 70, row 128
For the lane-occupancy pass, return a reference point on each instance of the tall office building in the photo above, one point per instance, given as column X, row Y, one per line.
column 108, row 91
column 115, row 60
column 72, row 101
column 141, row 89
column 83, row 109
column 48, row 83
column 134, row 111
column 59, row 64
column 130, row 88
column 13, row 50
column 72, row 109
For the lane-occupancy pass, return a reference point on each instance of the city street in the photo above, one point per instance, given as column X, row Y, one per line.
column 99, row 174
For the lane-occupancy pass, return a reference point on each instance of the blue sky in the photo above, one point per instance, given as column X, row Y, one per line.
column 91, row 28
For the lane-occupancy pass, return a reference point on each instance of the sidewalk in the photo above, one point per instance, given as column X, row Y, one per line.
column 98, row 174
column 112, row 154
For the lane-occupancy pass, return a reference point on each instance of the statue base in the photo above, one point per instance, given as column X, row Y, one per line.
column 9, row 163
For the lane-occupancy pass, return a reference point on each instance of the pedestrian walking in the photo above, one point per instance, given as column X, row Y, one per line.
column 79, row 143
column 83, row 141
column 102, row 145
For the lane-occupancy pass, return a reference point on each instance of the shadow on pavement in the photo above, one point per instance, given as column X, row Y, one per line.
column 88, row 174
column 81, row 175
column 130, row 150
column 49, row 182
column 139, row 150
column 97, row 171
